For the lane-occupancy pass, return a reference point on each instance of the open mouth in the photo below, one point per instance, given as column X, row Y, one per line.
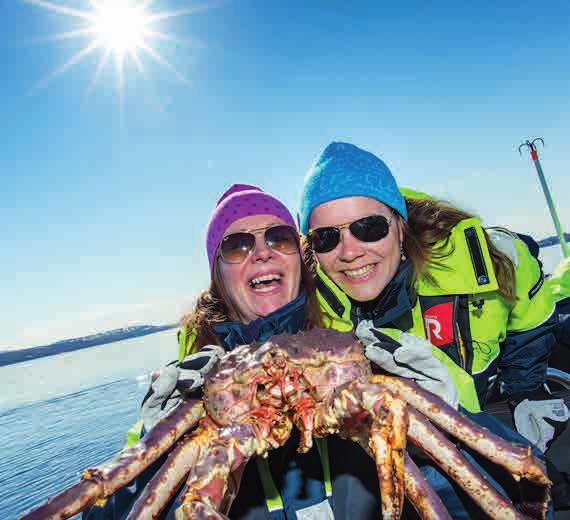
column 266, row 282
column 361, row 272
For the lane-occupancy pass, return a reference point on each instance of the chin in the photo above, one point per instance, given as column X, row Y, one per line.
column 268, row 308
column 364, row 294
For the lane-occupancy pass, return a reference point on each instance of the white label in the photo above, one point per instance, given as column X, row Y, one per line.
column 320, row 511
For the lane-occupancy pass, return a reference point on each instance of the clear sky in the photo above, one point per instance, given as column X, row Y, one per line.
column 105, row 196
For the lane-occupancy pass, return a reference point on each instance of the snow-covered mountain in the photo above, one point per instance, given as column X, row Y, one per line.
column 553, row 240
column 9, row 357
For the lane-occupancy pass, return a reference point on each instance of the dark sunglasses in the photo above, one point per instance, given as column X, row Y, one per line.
column 366, row 229
column 236, row 247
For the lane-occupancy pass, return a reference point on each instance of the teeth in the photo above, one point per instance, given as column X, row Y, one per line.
column 265, row 278
column 355, row 273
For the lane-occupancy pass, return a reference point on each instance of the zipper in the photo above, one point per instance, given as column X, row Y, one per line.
column 460, row 345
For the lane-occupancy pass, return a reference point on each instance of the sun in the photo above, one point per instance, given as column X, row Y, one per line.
column 120, row 30
column 121, row 26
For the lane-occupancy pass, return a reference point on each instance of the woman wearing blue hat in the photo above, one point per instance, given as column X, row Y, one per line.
column 432, row 270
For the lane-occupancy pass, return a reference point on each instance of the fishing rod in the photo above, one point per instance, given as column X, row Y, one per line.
column 531, row 146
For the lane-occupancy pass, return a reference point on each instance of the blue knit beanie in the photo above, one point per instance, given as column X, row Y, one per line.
column 344, row 170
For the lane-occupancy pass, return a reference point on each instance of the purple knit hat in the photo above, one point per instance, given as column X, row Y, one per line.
column 241, row 200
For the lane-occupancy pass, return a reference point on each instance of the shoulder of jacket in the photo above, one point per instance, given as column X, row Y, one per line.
column 186, row 338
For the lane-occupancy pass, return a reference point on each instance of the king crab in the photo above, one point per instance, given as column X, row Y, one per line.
column 320, row 382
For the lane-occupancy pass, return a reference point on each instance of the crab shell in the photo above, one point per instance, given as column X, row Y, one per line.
column 276, row 371
column 319, row 382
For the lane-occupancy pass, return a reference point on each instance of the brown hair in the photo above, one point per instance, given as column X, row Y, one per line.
column 214, row 306
column 431, row 221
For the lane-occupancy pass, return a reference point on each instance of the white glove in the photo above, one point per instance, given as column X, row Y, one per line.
column 409, row 357
column 541, row 421
column 176, row 379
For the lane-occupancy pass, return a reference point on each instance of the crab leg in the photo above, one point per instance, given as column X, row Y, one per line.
column 170, row 476
column 517, row 459
column 208, row 481
column 208, row 455
column 418, row 491
column 450, row 459
column 388, row 444
column 345, row 411
column 99, row 482
column 422, row 496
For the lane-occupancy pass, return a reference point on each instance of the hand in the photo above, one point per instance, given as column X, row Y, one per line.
column 176, row 380
column 409, row 357
column 541, row 421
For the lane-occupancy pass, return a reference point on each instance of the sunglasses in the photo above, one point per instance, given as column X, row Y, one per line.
column 236, row 247
column 366, row 229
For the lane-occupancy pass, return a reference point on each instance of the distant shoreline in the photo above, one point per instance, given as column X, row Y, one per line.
column 69, row 345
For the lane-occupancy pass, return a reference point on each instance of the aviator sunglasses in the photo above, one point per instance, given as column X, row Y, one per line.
column 236, row 247
column 366, row 229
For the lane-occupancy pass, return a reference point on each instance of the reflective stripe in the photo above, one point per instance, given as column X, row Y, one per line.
column 323, row 448
column 272, row 497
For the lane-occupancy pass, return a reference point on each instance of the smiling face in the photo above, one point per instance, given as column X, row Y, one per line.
column 266, row 280
column 361, row 269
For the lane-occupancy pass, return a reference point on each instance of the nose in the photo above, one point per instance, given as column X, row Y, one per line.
column 350, row 247
column 262, row 251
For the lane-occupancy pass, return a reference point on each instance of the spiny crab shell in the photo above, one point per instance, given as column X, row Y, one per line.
column 321, row 382
column 267, row 374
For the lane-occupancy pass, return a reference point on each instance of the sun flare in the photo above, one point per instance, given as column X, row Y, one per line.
column 120, row 30
column 121, row 26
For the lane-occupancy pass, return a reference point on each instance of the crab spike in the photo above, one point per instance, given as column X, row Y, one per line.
column 515, row 458
column 450, row 459
column 422, row 496
column 102, row 481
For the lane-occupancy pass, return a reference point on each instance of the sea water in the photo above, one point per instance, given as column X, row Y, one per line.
column 62, row 413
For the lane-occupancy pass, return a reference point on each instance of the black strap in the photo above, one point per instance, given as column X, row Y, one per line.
column 329, row 296
column 474, row 246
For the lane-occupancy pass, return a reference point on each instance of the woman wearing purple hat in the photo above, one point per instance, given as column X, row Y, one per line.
column 259, row 288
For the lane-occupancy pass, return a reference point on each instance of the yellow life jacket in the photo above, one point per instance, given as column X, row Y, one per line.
column 461, row 312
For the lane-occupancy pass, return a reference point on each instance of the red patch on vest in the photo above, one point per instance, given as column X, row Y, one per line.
column 438, row 321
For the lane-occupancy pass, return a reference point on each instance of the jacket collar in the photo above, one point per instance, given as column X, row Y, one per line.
column 291, row 318
column 464, row 267
column 393, row 301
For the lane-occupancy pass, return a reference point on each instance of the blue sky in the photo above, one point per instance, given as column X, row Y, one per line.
column 105, row 203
